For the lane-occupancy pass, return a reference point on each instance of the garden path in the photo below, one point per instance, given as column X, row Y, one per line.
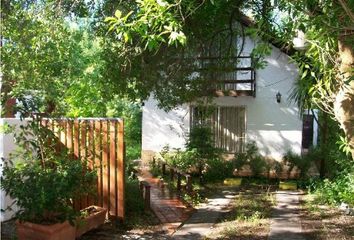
column 202, row 221
column 285, row 221
column 167, row 206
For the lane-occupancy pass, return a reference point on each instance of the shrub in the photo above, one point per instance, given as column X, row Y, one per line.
column 45, row 184
column 252, row 157
column 303, row 163
column 202, row 144
column 337, row 190
column 218, row 169
column 257, row 165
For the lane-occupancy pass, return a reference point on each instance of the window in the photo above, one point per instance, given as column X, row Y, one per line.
column 228, row 125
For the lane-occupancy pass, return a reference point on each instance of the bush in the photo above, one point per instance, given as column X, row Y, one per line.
column 303, row 163
column 45, row 184
column 337, row 190
column 257, row 165
column 218, row 169
column 252, row 157
column 183, row 160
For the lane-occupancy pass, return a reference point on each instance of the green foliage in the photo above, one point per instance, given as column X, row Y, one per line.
column 258, row 165
column 201, row 139
column 154, row 23
column 42, row 181
column 218, row 169
column 336, row 190
column 183, row 160
column 251, row 157
column 134, row 201
column 132, row 116
column 303, row 163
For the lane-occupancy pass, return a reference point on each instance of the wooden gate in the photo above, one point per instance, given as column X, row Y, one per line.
column 101, row 142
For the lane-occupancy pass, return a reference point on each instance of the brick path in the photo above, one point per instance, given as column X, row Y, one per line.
column 166, row 205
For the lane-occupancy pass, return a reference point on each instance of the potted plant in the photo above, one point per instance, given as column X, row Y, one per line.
column 90, row 218
column 44, row 183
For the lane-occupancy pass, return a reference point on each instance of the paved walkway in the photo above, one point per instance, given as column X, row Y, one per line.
column 203, row 220
column 285, row 222
column 169, row 209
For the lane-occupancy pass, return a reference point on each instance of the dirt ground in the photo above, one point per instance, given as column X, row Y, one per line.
column 325, row 222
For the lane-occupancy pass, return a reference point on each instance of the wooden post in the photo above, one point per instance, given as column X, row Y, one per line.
column 113, row 168
column 98, row 161
column 189, row 183
column 163, row 169
column 120, row 169
column 147, row 197
column 141, row 187
column 83, row 155
column 178, row 181
column 77, row 201
column 172, row 173
column 105, row 165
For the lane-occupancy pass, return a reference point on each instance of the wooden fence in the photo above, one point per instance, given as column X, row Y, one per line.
column 101, row 142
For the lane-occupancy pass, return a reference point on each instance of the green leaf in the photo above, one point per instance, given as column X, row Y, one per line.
column 110, row 19
column 118, row 14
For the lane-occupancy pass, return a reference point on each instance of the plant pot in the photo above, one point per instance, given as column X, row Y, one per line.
column 33, row 231
column 96, row 217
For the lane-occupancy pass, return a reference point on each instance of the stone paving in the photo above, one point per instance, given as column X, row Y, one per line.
column 286, row 222
column 203, row 220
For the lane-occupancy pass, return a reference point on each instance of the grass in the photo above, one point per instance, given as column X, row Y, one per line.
column 324, row 221
column 248, row 217
column 288, row 185
column 233, row 182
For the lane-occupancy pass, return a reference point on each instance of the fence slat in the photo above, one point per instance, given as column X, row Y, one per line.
column 120, row 168
column 98, row 161
column 91, row 152
column 105, row 164
column 113, row 168
column 83, row 155
column 76, row 133
column 101, row 143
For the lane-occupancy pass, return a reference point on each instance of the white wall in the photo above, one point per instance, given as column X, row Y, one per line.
column 161, row 128
column 7, row 146
column 276, row 127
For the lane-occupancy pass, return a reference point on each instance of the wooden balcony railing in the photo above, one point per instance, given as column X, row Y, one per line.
column 233, row 76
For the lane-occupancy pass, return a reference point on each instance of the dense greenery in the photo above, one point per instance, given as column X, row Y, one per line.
column 89, row 58
column 43, row 181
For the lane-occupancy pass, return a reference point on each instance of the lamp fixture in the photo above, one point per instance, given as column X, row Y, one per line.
column 278, row 97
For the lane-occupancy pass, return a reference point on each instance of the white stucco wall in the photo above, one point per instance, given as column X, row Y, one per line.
column 7, row 146
column 276, row 127
column 161, row 128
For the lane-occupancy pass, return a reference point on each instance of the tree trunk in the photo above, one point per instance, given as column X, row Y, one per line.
column 344, row 102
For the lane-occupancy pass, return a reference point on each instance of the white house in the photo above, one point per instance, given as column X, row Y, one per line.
column 255, row 114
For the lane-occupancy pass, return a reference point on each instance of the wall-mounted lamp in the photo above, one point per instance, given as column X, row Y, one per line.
column 278, row 97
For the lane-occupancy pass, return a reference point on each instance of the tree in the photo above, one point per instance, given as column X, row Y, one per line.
column 158, row 32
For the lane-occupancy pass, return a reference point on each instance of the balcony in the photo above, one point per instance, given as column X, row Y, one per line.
column 233, row 76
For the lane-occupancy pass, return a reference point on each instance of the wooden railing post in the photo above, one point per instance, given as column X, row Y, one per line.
column 189, row 183
column 141, row 187
column 178, row 181
column 147, row 197
column 172, row 173
column 163, row 169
